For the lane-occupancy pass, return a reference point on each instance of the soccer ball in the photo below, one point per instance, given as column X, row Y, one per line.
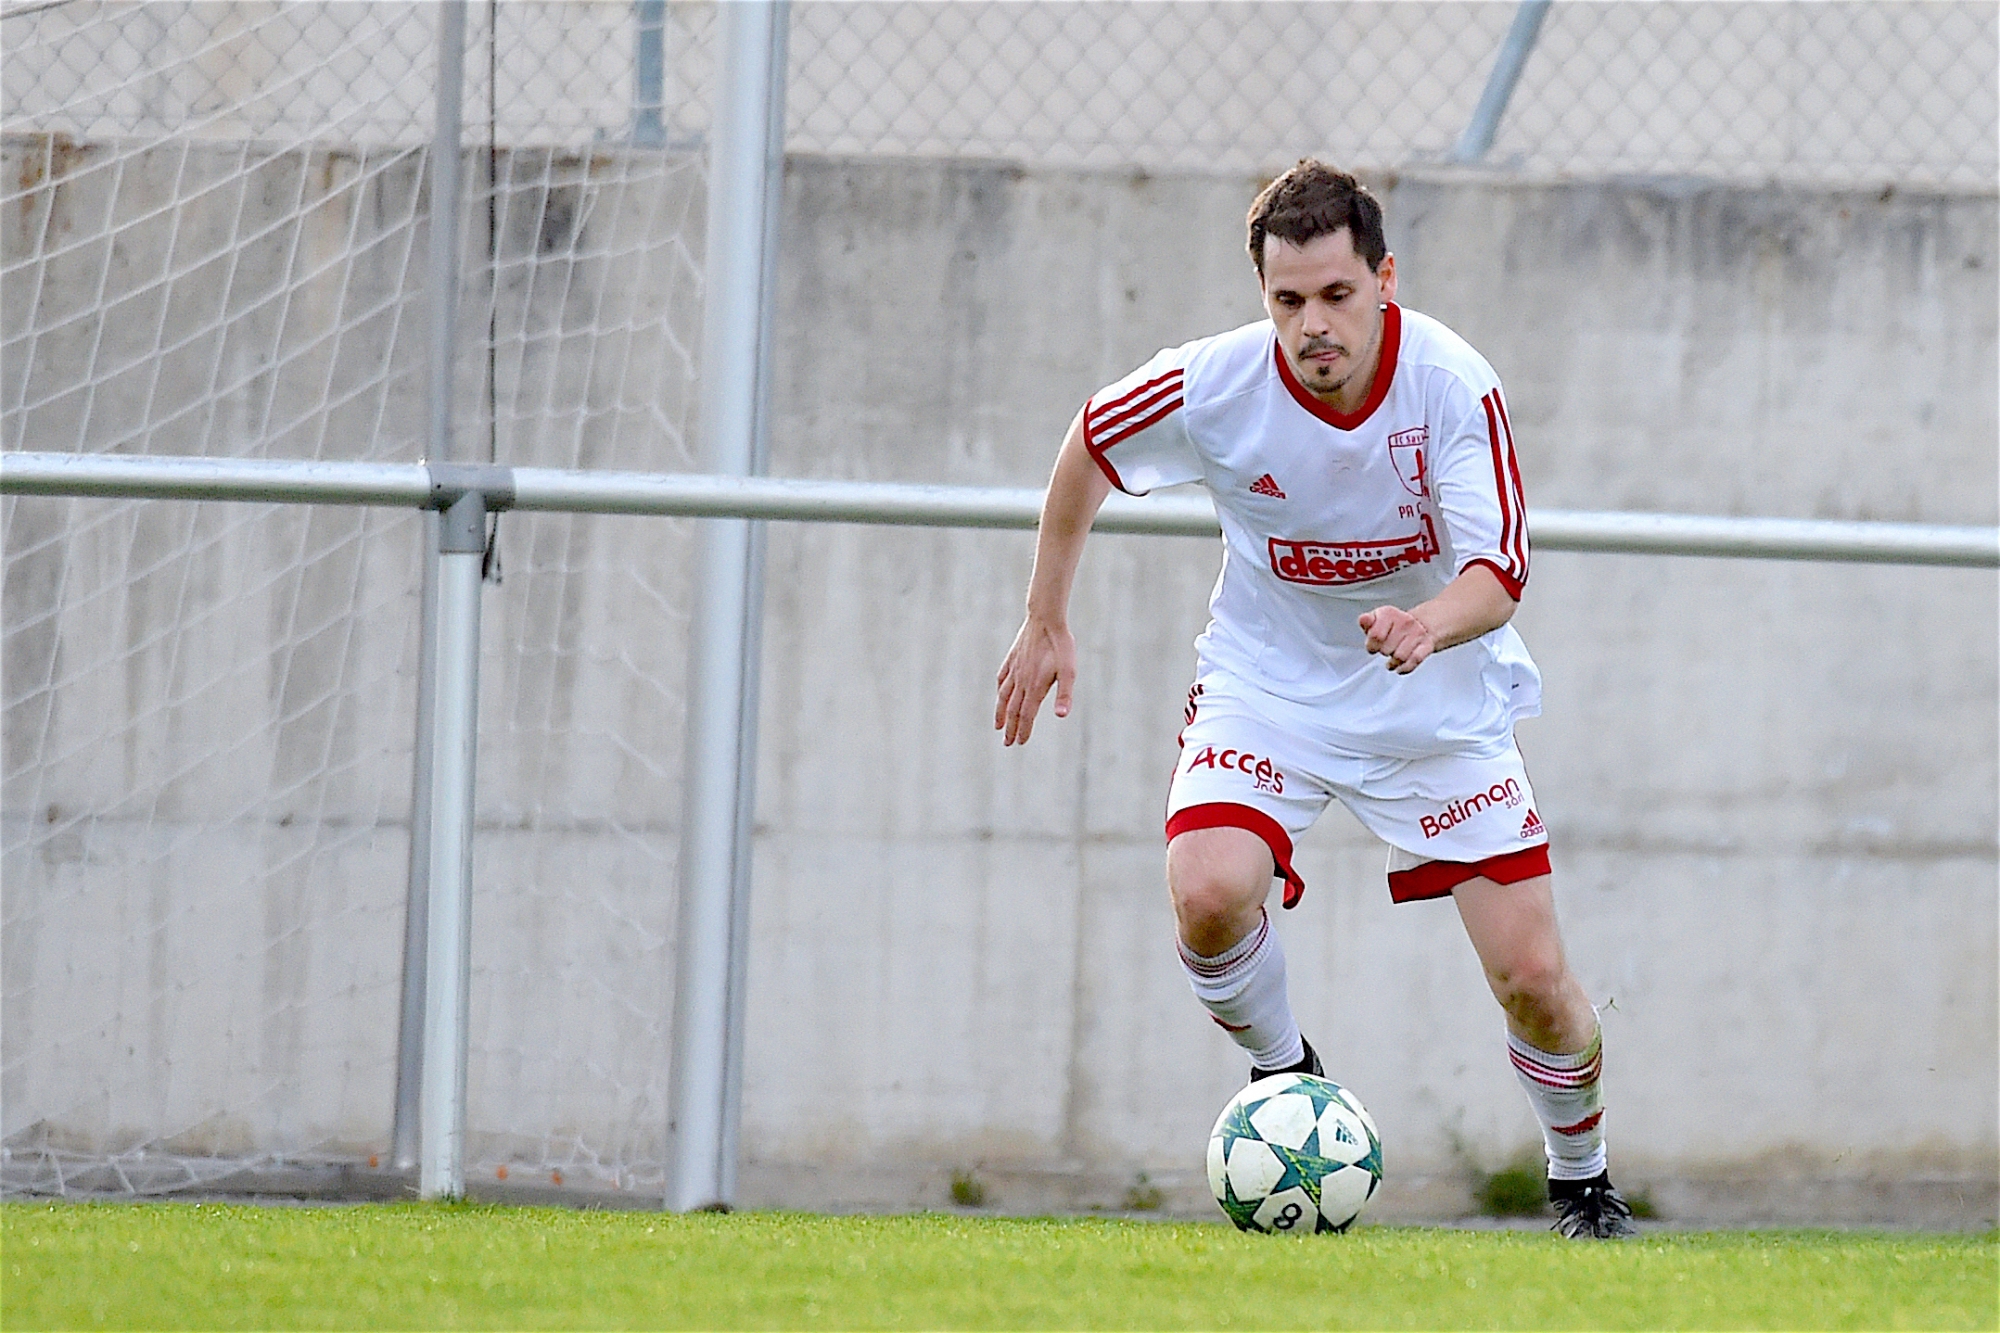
column 1294, row 1153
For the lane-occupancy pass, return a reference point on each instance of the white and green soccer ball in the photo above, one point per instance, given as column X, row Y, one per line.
column 1294, row 1153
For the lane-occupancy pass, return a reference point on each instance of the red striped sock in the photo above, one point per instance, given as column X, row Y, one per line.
column 1243, row 988
column 1567, row 1094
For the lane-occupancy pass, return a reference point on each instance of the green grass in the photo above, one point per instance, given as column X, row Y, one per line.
column 419, row 1266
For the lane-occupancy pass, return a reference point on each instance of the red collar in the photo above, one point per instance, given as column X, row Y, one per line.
column 1385, row 371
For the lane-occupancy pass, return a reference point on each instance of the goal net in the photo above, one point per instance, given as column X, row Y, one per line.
column 215, row 242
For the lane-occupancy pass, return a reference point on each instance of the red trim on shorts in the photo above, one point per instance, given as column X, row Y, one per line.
column 1436, row 879
column 1227, row 814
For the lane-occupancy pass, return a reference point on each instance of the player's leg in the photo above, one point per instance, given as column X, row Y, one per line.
column 1239, row 794
column 1218, row 879
column 1465, row 827
column 1513, row 930
column 1553, row 1040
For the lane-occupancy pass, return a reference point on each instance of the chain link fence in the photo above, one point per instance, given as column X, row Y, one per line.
column 1833, row 93
column 1842, row 92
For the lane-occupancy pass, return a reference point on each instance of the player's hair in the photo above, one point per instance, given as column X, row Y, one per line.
column 1313, row 200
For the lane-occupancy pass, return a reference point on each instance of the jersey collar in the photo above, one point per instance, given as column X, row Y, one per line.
column 1385, row 371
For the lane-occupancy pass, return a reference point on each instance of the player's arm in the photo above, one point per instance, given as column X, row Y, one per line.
column 1472, row 604
column 1044, row 652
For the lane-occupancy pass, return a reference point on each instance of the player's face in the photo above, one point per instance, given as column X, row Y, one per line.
column 1327, row 305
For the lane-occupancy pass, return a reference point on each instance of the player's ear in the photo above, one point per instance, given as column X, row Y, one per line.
column 1386, row 275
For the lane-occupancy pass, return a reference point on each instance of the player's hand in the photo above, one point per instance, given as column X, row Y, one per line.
column 1398, row 636
column 1043, row 655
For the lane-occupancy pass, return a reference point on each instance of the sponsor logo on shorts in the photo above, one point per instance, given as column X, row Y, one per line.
column 1503, row 795
column 1328, row 564
column 1531, row 827
column 1260, row 771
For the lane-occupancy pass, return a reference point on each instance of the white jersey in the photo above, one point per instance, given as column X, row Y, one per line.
column 1327, row 515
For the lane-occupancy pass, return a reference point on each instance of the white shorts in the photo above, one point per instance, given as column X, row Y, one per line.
column 1447, row 818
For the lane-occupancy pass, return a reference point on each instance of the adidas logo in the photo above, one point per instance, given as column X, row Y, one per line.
column 1267, row 485
column 1531, row 827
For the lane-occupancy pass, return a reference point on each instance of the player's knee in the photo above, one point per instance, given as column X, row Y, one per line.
column 1219, row 878
column 1529, row 986
column 1214, row 911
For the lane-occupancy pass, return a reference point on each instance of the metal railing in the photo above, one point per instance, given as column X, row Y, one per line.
column 558, row 490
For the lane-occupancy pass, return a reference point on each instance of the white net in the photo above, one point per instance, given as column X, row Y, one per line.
column 583, row 313
column 216, row 243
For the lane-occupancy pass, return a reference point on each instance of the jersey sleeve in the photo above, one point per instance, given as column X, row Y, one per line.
column 1136, row 429
column 1479, row 488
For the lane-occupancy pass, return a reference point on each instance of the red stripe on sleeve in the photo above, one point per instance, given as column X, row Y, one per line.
column 1127, row 431
column 1117, row 403
column 1520, row 497
column 1096, row 452
column 1512, row 585
column 1501, row 490
column 1113, row 418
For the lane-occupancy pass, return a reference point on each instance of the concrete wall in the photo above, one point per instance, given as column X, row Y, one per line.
column 1773, row 812
column 1771, row 787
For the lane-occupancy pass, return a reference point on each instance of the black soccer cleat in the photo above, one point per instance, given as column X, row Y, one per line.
column 1591, row 1209
column 1309, row 1064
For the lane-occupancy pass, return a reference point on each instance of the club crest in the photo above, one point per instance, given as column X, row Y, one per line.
column 1406, row 452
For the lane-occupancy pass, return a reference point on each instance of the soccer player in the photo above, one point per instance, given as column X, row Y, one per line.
column 1374, row 548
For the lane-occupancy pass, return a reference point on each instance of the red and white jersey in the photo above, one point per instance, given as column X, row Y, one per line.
column 1326, row 515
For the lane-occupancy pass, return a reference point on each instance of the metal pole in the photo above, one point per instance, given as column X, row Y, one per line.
column 442, row 279
column 416, row 902
column 448, row 960
column 719, row 680
column 558, row 491
column 753, row 621
column 1479, row 131
column 649, row 74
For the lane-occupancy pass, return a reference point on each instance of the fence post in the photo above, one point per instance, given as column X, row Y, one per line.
column 722, row 681
column 753, row 627
column 447, row 970
column 442, row 280
column 1473, row 144
column 649, row 73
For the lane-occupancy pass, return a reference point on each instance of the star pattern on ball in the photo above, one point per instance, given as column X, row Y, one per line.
column 1372, row 1163
column 1243, row 1214
column 1337, row 1122
column 1302, row 1170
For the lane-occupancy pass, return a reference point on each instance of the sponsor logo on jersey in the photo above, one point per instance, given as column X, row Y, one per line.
column 1406, row 452
column 1503, row 795
column 1531, row 827
column 1262, row 772
column 1267, row 485
column 1325, row 564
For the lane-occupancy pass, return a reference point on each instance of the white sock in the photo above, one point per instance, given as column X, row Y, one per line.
column 1244, row 990
column 1568, row 1096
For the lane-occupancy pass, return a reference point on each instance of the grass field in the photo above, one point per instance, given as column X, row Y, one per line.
column 425, row 1266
